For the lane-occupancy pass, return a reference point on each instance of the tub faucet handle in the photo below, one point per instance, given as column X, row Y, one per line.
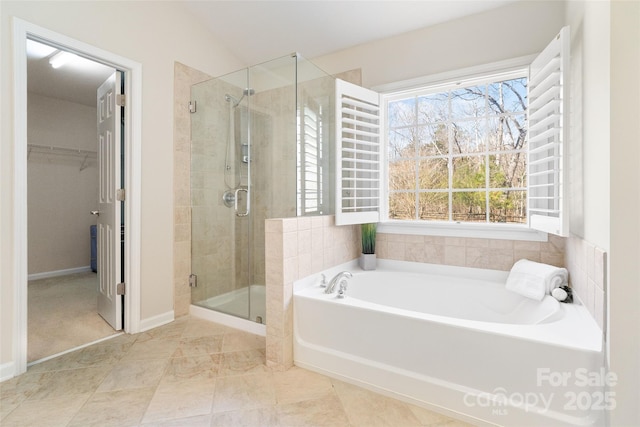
column 323, row 280
column 342, row 292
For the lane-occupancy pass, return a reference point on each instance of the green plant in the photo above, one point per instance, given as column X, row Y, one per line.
column 368, row 238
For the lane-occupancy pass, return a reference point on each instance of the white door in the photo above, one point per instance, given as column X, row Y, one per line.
column 109, row 213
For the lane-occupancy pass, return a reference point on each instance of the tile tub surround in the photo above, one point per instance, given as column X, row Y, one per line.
column 296, row 248
column 587, row 265
column 495, row 254
column 192, row 373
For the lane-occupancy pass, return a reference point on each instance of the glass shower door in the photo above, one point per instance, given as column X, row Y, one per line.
column 220, row 226
column 259, row 150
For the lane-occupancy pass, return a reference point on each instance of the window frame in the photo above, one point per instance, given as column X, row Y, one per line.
column 497, row 71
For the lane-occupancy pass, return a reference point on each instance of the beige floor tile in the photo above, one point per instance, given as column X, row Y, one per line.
column 239, row 341
column 181, row 400
column 18, row 389
column 56, row 411
column 114, row 408
column 298, row 384
column 368, row 409
column 430, row 418
column 198, row 421
column 152, row 349
column 263, row 417
column 325, row 411
column 198, row 346
column 72, row 382
column 108, row 352
column 192, row 373
column 202, row 328
column 244, row 392
column 173, row 330
column 243, row 362
column 65, row 361
column 192, row 367
column 134, row 374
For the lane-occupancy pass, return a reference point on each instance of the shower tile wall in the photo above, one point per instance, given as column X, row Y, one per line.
column 184, row 78
column 296, row 248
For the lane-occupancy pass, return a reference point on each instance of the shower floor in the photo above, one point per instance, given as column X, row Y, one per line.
column 236, row 303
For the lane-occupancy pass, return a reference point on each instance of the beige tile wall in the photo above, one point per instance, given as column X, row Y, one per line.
column 184, row 78
column 296, row 248
column 469, row 252
column 587, row 265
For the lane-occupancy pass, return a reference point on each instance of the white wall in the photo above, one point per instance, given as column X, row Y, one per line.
column 60, row 194
column 624, row 277
column 520, row 29
column 154, row 34
column 605, row 113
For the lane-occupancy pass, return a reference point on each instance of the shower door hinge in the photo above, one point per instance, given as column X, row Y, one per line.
column 193, row 281
column 120, row 288
column 192, row 107
column 121, row 100
column 120, row 194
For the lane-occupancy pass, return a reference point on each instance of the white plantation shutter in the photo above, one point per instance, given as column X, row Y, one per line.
column 309, row 160
column 359, row 154
column 548, row 137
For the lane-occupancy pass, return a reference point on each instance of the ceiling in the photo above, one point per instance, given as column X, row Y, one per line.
column 76, row 81
column 257, row 31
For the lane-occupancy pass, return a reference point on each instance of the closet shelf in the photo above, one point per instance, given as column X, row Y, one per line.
column 84, row 155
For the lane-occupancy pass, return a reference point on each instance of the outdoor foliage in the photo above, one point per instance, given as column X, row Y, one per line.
column 460, row 155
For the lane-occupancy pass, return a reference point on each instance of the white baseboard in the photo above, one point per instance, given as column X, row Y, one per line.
column 155, row 321
column 7, row 371
column 56, row 273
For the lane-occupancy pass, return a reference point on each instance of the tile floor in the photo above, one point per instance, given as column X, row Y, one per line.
column 192, row 373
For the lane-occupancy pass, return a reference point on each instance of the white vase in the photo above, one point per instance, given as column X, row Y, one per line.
column 368, row 261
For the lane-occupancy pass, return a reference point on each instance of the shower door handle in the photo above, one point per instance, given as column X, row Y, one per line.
column 235, row 203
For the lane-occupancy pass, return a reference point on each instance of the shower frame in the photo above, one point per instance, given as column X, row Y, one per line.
column 283, row 120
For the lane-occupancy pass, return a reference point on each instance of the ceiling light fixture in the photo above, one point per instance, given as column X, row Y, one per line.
column 61, row 58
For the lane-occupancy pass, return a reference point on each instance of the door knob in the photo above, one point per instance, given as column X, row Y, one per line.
column 96, row 213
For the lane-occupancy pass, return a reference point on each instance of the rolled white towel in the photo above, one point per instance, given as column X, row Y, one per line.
column 535, row 280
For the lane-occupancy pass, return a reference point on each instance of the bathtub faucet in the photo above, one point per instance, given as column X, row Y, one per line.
column 333, row 282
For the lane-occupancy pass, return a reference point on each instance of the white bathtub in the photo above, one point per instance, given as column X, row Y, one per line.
column 455, row 340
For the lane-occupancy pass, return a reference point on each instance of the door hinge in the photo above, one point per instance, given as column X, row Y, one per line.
column 121, row 100
column 192, row 107
column 193, row 281
column 120, row 288
column 120, row 194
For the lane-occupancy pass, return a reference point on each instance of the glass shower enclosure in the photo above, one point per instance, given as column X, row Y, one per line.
column 260, row 148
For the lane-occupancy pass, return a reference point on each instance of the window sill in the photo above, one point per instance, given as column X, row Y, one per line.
column 452, row 229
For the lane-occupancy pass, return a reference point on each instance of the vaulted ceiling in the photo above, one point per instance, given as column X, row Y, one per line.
column 257, row 31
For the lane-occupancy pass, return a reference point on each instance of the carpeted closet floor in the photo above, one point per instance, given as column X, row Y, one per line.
column 63, row 314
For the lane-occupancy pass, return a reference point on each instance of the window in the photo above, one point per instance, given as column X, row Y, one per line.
column 457, row 152
column 476, row 156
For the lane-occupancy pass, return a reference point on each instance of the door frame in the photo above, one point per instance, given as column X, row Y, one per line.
column 22, row 30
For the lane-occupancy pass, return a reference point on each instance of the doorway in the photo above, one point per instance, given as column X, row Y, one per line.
column 62, row 194
column 132, row 72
